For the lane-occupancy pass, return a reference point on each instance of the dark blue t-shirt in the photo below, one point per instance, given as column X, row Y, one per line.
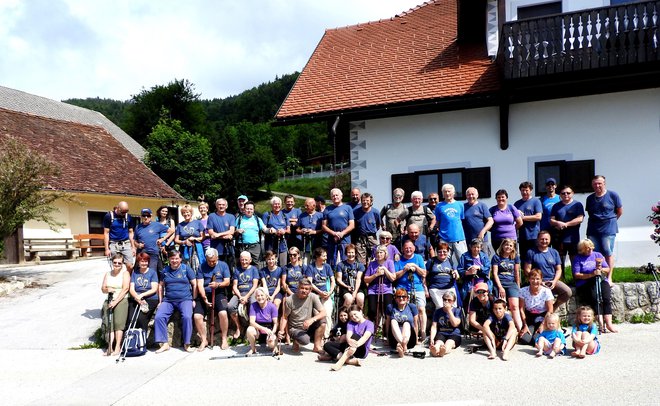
column 220, row 224
column 545, row 261
column 505, row 267
column 366, row 222
column 444, row 325
column 475, row 217
column 349, row 271
column 271, row 278
column 206, row 273
column 294, row 274
column 118, row 226
column 187, row 229
column 143, row 281
column 565, row 213
column 320, row 277
column 530, row 229
column 177, row 283
column 439, row 274
column 245, row 278
column 401, row 316
column 602, row 214
column 337, row 218
column 148, row 235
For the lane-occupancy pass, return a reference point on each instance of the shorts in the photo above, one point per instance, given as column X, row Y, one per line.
column 303, row 337
column 220, row 304
column 124, row 248
column 442, row 337
column 596, row 349
column 420, row 300
column 232, row 307
column 511, row 288
column 603, row 244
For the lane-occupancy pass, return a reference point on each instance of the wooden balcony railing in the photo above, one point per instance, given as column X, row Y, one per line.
column 581, row 40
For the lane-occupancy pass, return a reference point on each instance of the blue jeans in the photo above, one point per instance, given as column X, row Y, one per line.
column 603, row 244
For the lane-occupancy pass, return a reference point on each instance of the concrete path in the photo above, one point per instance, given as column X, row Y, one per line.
column 38, row 325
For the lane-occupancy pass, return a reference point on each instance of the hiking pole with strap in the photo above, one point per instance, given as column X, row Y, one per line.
column 212, row 313
column 131, row 325
column 599, row 293
column 110, row 321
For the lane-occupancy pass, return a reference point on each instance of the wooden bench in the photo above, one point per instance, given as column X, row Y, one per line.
column 58, row 245
column 87, row 243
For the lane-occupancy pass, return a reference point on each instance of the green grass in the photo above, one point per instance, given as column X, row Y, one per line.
column 620, row 275
column 98, row 342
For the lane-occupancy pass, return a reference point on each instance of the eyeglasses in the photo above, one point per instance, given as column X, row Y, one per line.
column 566, row 193
column 386, row 238
column 481, row 292
column 116, row 263
column 401, row 297
column 146, row 215
column 293, row 255
column 447, row 300
column 123, row 211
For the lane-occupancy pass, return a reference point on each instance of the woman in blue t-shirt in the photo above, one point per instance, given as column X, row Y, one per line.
column 506, row 277
column 402, row 320
column 189, row 235
column 143, row 292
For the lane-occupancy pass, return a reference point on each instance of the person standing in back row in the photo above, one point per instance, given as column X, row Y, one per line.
column 531, row 210
column 604, row 208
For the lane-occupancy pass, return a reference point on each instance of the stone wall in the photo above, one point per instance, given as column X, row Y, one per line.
column 628, row 300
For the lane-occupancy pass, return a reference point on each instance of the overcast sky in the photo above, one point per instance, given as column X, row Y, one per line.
column 63, row 49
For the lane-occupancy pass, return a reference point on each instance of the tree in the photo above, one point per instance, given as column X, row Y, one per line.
column 178, row 98
column 182, row 159
column 23, row 177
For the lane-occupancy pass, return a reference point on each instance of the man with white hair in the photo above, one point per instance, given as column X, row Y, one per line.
column 392, row 216
column 338, row 222
column 449, row 214
column 220, row 228
column 477, row 220
column 420, row 215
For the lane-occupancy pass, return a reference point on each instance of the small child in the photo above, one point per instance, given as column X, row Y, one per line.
column 584, row 333
column 500, row 331
column 551, row 341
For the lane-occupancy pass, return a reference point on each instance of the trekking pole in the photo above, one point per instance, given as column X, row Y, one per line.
column 652, row 269
column 110, row 321
column 379, row 307
column 304, row 252
column 212, row 313
column 124, row 344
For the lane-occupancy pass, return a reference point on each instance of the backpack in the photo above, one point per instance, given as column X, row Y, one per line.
column 136, row 342
column 427, row 217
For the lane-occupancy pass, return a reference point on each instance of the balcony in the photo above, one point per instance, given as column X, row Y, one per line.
column 624, row 38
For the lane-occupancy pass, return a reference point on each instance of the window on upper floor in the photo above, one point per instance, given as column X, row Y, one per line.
column 539, row 10
column 432, row 181
column 577, row 174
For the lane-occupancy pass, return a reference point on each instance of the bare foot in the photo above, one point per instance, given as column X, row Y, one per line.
column 505, row 355
column 317, row 350
column 552, row 354
column 612, row 329
column 163, row 348
column 442, row 351
column 434, row 352
column 324, row 357
column 492, row 356
column 400, row 350
column 296, row 346
column 224, row 345
column 335, row 367
column 580, row 355
column 203, row 346
column 252, row 351
column 539, row 354
column 237, row 334
column 354, row 361
column 188, row 348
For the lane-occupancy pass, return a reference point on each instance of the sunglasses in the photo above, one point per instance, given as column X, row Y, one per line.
column 448, row 300
column 402, row 297
column 481, row 292
column 293, row 255
column 116, row 263
column 385, row 238
column 146, row 215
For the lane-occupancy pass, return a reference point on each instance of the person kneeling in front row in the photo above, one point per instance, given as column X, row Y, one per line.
column 300, row 319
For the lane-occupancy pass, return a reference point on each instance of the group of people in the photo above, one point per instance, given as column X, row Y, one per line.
column 353, row 256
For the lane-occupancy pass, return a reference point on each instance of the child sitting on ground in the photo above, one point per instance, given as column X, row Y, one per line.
column 339, row 329
column 445, row 330
column 584, row 333
column 500, row 331
column 551, row 341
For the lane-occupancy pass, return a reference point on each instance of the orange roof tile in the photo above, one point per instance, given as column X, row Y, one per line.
column 91, row 160
column 410, row 57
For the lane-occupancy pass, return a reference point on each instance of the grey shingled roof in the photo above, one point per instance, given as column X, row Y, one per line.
column 17, row 100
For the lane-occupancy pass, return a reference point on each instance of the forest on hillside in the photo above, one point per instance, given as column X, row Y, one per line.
column 219, row 147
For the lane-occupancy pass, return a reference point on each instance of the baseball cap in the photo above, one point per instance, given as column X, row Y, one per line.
column 242, row 197
column 480, row 286
column 145, row 212
column 320, row 199
column 550, row 180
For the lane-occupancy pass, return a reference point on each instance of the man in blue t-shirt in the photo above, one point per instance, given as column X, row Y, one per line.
column 410, row 274
column 147, row 238
column 310, row 229
column 220, row 227
column 367, row 223
column 547, row 259
column 338, row 222
column 477, row 220
column 118, row 234
column 292, row 214
column 604, row 208
column 531, row 210
column 548, row 201
column 449, row 216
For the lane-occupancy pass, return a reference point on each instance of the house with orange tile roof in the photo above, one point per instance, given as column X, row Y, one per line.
column 490, row 93
column 99, row 164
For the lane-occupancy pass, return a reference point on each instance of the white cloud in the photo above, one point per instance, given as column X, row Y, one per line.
column 114, row 48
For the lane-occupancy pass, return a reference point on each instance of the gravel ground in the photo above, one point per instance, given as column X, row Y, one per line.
column 38, row 326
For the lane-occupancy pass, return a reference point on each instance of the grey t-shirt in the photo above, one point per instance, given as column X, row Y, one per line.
column 298, row 310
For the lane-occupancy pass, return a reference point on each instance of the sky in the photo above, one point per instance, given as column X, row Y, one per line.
column 113, row 49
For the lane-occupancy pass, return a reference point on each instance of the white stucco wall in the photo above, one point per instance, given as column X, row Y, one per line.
column 511, row 6
column 620, row 131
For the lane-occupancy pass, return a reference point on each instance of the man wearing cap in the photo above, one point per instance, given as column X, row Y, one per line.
column 532, row 211
column 118, row 234
column 147, row 238
column 549, row 200
column 240, row 201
